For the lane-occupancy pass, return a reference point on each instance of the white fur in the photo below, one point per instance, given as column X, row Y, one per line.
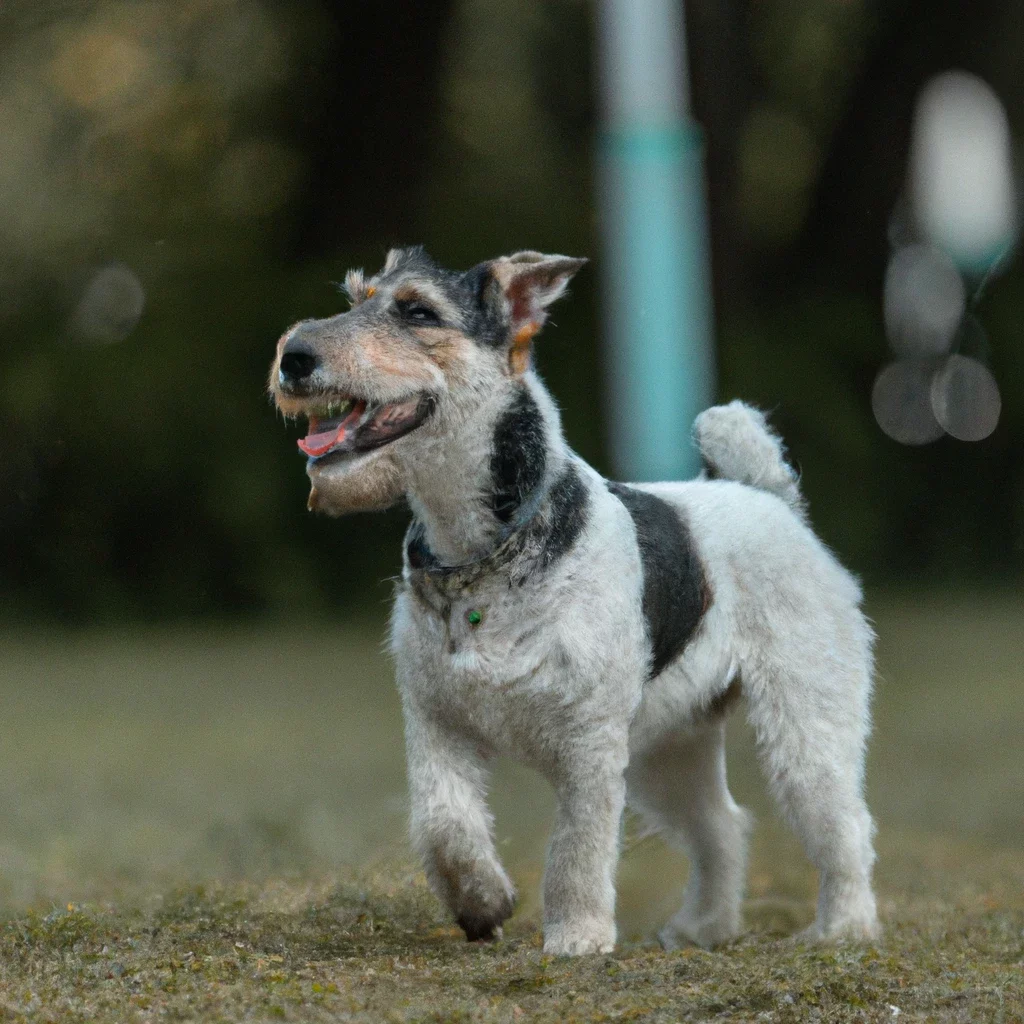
column 736, row 442
column 555, row 675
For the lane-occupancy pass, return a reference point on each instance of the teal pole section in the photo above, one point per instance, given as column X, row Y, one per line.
column 658, row 315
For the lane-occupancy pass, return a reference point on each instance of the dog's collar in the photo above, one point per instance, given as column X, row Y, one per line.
column 547, row 524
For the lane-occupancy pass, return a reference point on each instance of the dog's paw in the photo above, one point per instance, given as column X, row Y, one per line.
column 579, row 939
column 706, row 932
column 845, row 930
column 482, row 911
column 481, row 929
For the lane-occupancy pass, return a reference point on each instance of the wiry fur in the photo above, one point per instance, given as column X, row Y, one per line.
column 736, row 443
column 355, row 286
column 520, row 626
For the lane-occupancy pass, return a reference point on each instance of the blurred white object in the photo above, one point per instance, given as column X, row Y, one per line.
column 965, row 398
column 659, row 319
column 961, row 171
column 924, row 301
column 916, row 401
column 110, row 306
column 656, row 89
column 901, row 401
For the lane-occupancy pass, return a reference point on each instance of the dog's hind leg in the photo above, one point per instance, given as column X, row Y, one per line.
column 679, row 787
column 810, row 714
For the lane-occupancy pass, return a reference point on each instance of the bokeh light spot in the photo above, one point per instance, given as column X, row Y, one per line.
column 95, row 68
column 901, row 401
column 962, row 188
column 965, row 398
column 111, row 305
column 924, row 301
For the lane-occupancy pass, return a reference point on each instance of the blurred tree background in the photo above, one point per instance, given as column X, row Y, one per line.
column 179, row 181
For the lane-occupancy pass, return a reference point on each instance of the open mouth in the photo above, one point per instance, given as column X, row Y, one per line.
column 349, row 426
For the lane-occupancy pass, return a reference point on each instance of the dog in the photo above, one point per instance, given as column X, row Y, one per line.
column 598, row 631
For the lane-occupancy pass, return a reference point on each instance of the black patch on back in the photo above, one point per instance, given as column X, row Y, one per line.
column 676, row 592
column 518, row 456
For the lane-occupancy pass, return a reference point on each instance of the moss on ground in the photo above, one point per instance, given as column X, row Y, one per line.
column 375, row 947
column 134, row 765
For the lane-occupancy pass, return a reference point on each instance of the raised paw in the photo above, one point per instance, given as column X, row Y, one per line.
column 481, row 929
column 482, row 913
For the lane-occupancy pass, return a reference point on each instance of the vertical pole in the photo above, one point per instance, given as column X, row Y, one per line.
column 658, row 315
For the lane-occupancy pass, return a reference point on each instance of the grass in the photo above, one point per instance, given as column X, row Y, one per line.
column 209, row 826
column 373, row 947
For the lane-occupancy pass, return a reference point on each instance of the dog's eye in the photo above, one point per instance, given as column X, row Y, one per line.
column 418, row 313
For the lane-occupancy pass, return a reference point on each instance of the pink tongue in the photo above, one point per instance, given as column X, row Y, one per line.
column 323, row 441
column 317, row 444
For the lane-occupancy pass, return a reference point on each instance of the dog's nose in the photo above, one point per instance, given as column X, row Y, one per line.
column 298, row 361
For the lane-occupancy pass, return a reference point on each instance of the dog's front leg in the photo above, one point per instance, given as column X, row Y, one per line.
column 452, row 827
column 579, row 878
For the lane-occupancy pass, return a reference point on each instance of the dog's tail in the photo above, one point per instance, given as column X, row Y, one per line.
column 736, row 443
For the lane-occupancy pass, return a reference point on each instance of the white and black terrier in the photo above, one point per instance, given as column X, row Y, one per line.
column 597, row 631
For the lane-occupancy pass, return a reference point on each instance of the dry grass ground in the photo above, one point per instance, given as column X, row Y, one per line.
column 209, row 826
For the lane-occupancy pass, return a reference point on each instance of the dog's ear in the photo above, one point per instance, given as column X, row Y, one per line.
column 528, row 283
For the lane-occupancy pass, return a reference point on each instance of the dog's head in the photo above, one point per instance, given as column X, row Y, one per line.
column 418, row 352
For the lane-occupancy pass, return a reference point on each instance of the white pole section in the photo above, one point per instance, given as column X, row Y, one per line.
column 658, row 316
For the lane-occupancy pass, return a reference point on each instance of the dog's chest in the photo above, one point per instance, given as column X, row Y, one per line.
column 489, row 658
column 537, row 639
column 487, row 631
